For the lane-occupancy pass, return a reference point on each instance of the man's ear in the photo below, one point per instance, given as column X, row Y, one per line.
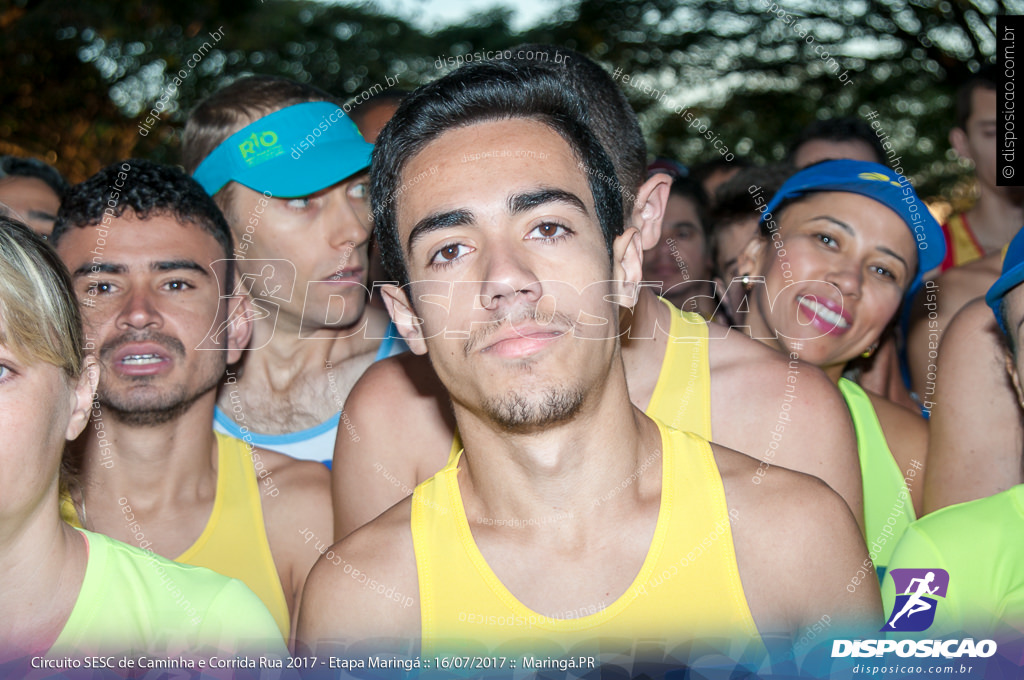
column 240, row 321
column 958, row 140
column 627, row 265
column 409, row 325
column 649, row 209
column 1011, row 368
column 82, row 398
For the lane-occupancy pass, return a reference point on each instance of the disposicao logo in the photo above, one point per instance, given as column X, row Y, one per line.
column 916, row 593
column 913, row 611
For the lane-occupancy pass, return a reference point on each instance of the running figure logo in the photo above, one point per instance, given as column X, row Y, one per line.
column 916, row 592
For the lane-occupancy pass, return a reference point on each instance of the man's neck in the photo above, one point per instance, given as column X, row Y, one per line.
column 287, row 354
column 995, row 218
column 167, row 463
column 562, row 469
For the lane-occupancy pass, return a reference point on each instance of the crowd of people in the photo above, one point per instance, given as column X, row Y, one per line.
column 473, row 373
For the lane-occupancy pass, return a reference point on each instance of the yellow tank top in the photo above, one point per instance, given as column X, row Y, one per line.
column 234, row 542
column 961, row 244
column 687, row 589
column 682, row 395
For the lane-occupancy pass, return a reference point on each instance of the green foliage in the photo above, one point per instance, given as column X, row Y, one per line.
column 79, row 79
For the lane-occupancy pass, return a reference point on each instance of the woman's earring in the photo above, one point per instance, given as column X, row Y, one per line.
column 746, row 282
column 870, row 350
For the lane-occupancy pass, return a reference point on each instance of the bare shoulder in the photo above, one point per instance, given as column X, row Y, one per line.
column 800, row 420
column 376, row 464
column 304, row 482
column 406, row 381
column 296, row 500
column 736, row 357
column 752, row 485
column 783, row 521
column 365, row 586
column 971, row 385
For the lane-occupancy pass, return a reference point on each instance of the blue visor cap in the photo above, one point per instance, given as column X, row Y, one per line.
column 296, row 151
column 882, row 184
column 1012, row 276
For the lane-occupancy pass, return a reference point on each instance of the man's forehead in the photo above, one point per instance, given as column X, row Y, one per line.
column 132, row 240
column 538, row 153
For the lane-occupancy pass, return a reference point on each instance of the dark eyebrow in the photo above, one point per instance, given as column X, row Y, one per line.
column 452, row 218
column 850, row 229
column 889, row 252
column 838, row 223
column 520, row 203
column 172, row 265
column 42, row 215
column 99, row 268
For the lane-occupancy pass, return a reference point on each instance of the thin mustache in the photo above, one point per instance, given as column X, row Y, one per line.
column 480, row 335
column 170, row 342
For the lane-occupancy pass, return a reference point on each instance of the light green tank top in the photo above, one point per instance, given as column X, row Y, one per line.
column 888, row 509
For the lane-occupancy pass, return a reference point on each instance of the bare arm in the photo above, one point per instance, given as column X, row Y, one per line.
column 934, row 309
column 300, row 507
column 396, row 430
column 783, row 413
column 976, row 434
column 783, row 525
column 343, row 599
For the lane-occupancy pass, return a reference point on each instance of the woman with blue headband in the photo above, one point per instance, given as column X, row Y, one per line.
column 978, row 543
column 841, row 246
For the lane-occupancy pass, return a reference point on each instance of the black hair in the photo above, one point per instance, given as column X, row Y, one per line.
column 611, row 118
column 476, row 93
column 693, row 191
column 838, row 130
column 701, row 171
column 14, row 166
column 147, row 189
column 984, row 79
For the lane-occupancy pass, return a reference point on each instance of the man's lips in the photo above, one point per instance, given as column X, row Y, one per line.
column 141, row 358
column 347, row 275
column 517, row 342
column 825, row 314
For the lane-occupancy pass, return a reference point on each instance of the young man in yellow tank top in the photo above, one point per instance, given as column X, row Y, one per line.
column 149, row 254
column 570, row 517
column 694, row 376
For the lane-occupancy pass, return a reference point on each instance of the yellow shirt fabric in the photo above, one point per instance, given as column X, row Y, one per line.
column 234, row 542
column 688, row 589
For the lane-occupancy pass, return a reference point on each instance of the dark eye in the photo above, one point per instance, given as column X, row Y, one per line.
column 97, row 287
column 549, row 230
column 449, row 253
column 827, row 240
column 178, row 285
column 884, row 272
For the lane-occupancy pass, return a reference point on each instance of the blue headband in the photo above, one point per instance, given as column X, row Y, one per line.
column 296, row 151
column 1011, row 277
column 885, row 186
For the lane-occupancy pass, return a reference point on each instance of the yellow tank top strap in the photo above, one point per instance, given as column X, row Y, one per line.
column 234, row 541
column 688, row 587
column 682, row 395
column 962, row 241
